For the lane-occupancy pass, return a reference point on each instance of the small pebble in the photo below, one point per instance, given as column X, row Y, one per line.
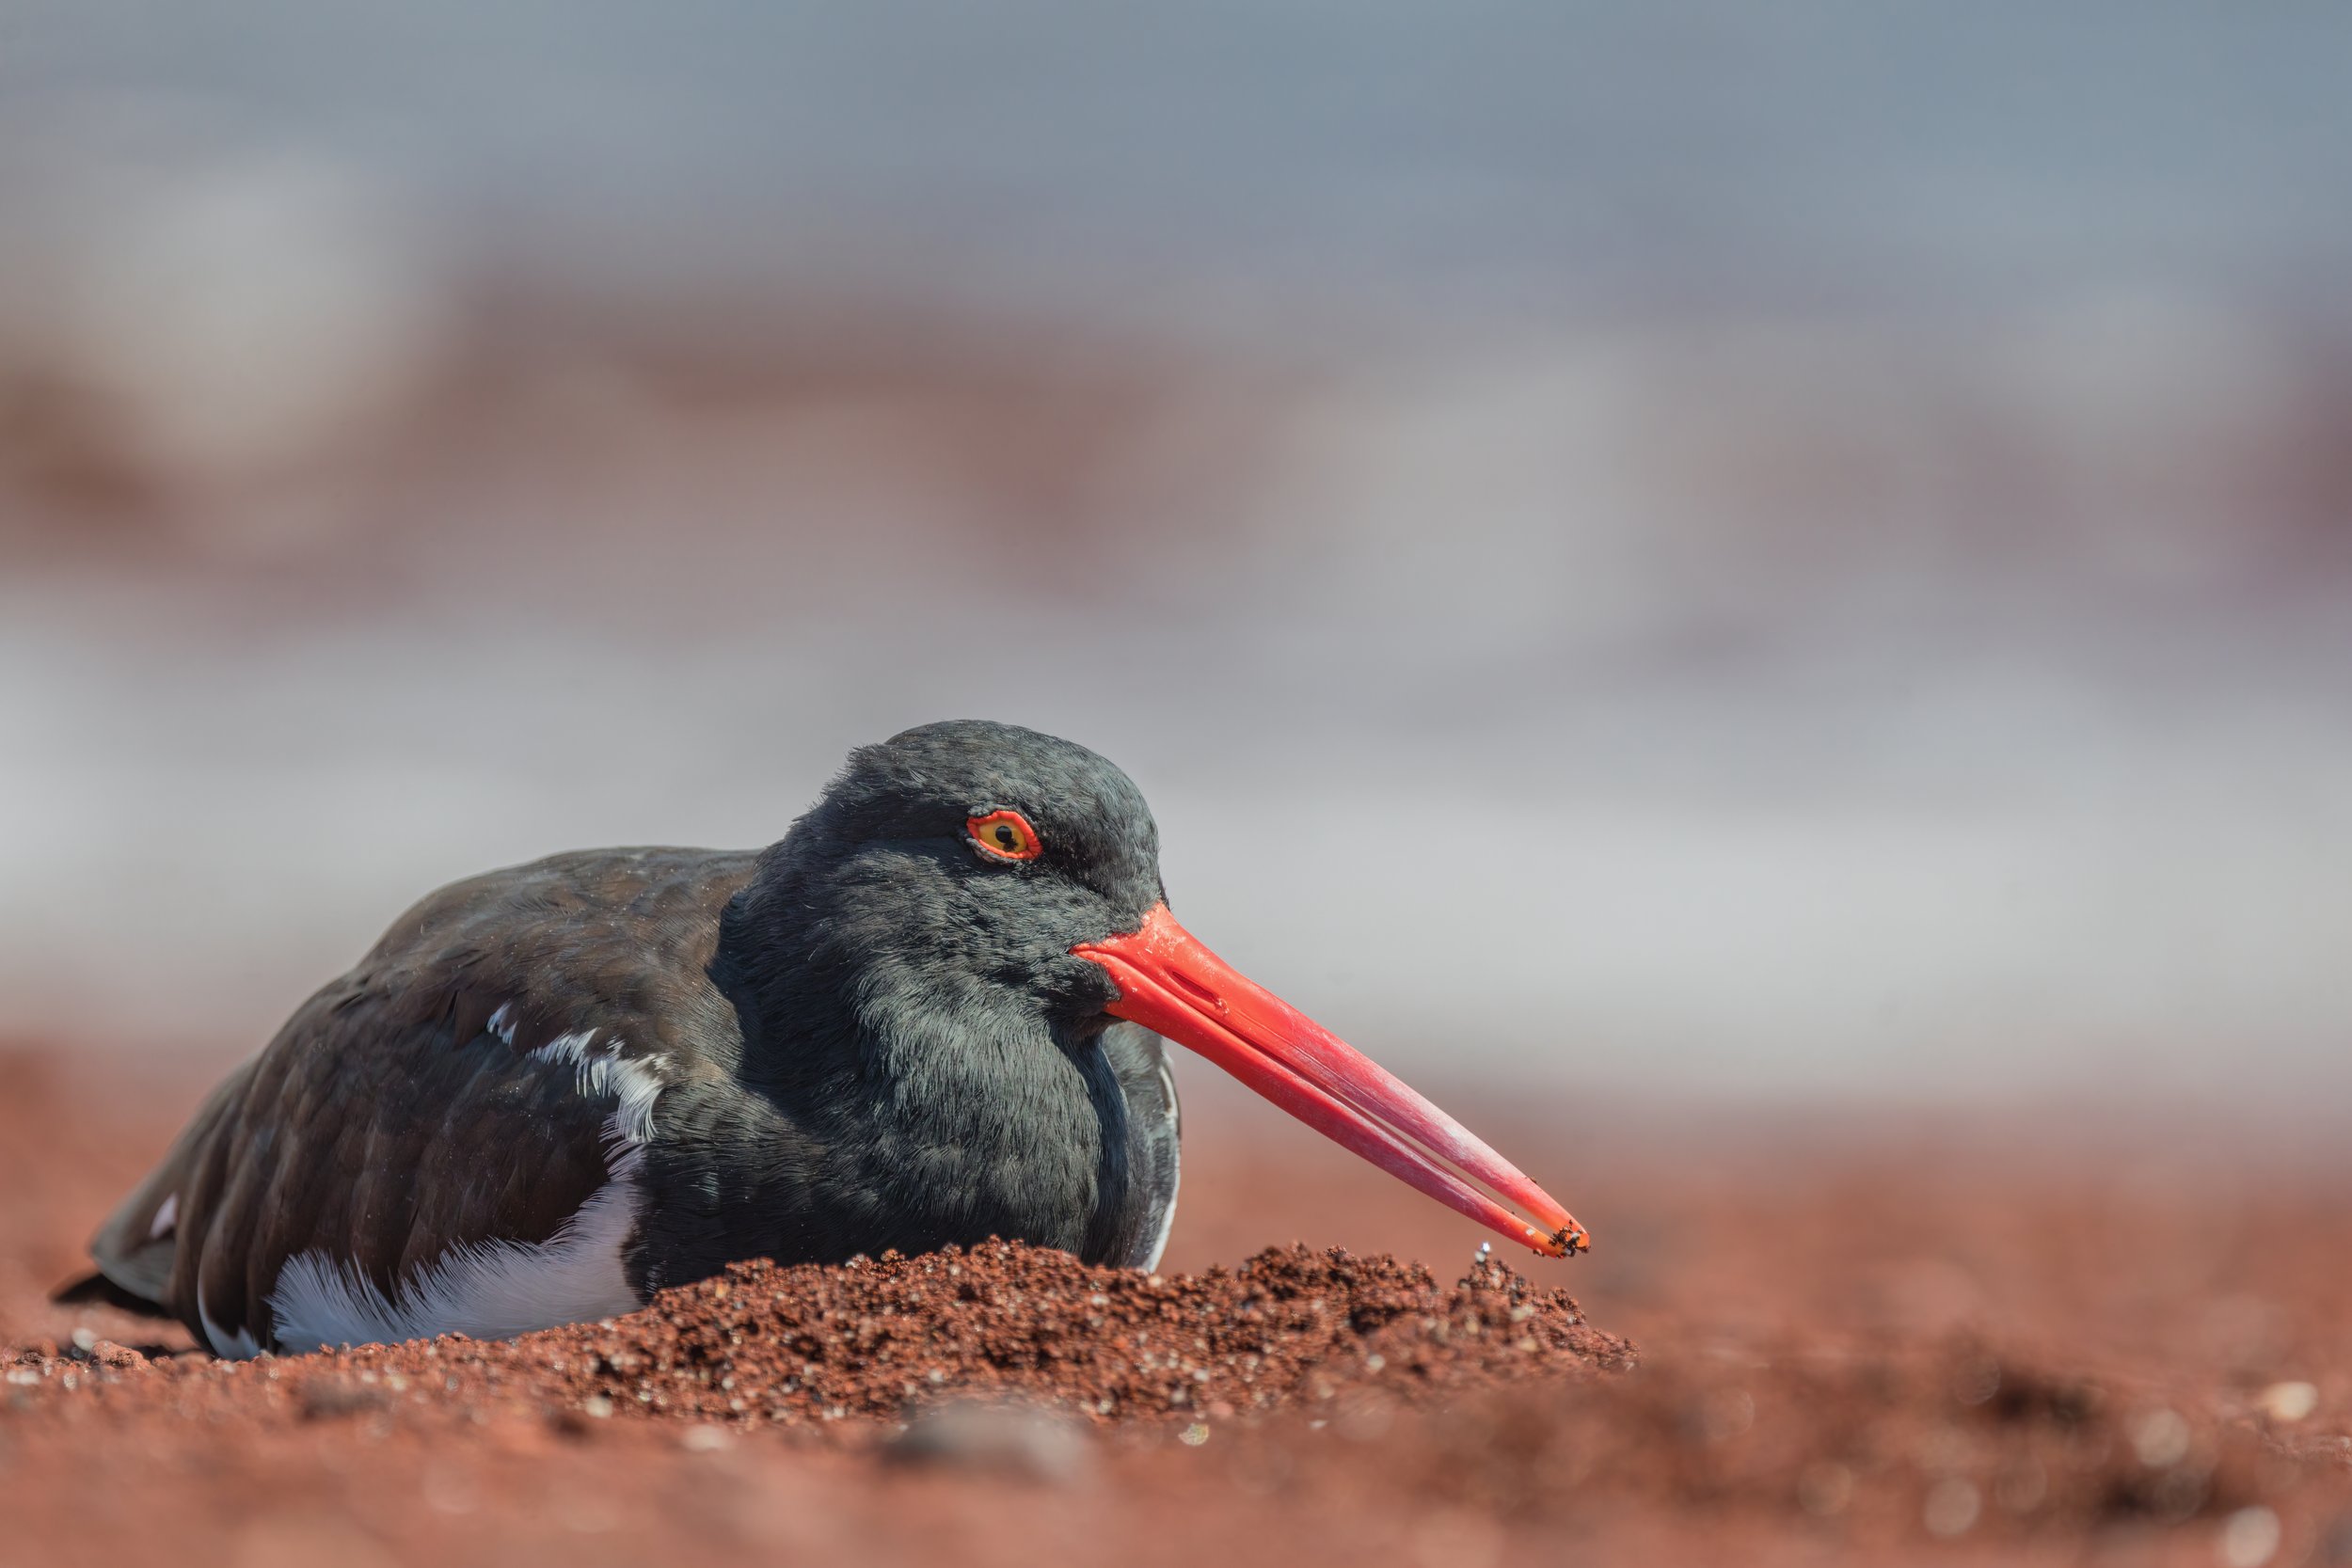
column 1002, row 1439
column 2249, row 1538
column 2161, row 1439
column 1951, row 1508
column 1824, row 1488
column 2288, row 1401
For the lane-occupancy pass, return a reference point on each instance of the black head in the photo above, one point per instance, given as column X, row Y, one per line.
column 951, row 929
column 952, row 868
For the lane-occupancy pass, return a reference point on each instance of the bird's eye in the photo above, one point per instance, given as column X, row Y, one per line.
column 1005, row 836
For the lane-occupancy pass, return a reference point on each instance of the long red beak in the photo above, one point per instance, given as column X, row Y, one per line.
column 1173, row 985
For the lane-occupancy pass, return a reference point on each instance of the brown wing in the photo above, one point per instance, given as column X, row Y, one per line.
column 137, row 1246
column 457, row 1098
column 376, row 1147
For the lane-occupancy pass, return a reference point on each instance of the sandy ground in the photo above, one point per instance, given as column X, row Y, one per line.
column 1995, row 1338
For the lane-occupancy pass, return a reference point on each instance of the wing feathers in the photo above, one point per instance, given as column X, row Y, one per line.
column 453, row 1128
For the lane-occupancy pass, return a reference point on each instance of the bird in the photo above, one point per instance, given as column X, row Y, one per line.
column 936, row 1011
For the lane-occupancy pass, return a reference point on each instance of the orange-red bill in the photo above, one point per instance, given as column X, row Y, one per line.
column 1175, row 987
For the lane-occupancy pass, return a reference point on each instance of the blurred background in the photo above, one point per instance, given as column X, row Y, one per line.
column 1779, row 554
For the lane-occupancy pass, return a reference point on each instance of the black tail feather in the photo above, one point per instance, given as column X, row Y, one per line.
column 96, row 1289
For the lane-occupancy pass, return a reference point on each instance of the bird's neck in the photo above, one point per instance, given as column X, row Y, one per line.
column 958, row 1096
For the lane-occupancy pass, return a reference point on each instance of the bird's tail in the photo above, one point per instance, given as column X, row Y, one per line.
column 96, row 1289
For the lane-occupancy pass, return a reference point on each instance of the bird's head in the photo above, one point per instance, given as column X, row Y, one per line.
column 976, row 869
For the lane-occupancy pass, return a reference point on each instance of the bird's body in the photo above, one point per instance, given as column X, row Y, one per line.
column 542, row 1096
column 551, row 1090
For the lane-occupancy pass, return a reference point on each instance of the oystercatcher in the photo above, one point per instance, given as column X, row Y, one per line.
column 934, row 1013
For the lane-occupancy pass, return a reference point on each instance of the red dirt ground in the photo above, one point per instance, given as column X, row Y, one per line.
column 1935, row 1340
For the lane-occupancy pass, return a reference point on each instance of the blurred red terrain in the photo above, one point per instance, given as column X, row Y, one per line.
column 1853, row 1338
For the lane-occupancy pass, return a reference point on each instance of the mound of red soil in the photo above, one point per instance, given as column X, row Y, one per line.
column 787, row 1344
column 763, row 1345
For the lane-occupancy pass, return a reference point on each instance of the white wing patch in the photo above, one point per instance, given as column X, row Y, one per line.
column 632, row 1084
column 166, row 1215
column 497, row 1289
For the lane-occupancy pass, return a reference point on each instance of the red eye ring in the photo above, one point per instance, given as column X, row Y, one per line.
column 1005, row 836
